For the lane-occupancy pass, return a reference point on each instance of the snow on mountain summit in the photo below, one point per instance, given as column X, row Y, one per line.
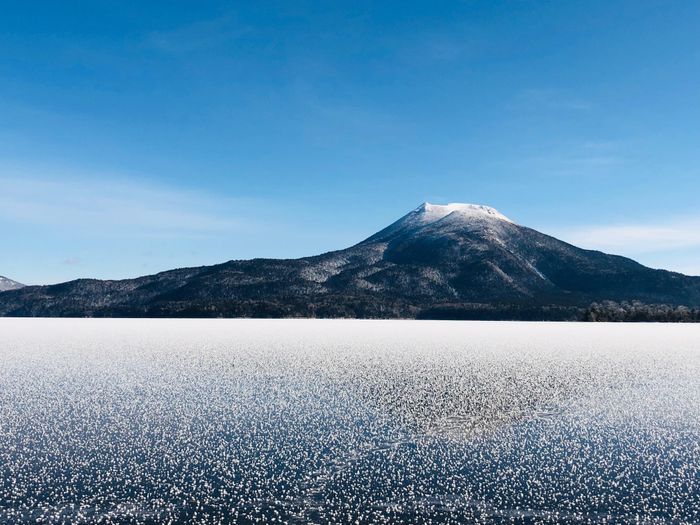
column 427, row 214
column 434, row 212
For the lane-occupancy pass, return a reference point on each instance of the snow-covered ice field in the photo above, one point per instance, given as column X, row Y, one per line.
column 300, row 421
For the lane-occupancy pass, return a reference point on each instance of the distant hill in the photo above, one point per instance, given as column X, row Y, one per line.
column 454, row 261
column 9, row 284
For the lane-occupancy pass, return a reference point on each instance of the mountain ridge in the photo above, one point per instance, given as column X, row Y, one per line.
column 437, row 261
column 8, row 284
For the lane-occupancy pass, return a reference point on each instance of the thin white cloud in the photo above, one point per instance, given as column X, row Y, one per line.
column 576, row 158
column 687, row 269
column 574, row 163
column 553, row 99
column 674, row 234
column 672, row 244
column 109, row 207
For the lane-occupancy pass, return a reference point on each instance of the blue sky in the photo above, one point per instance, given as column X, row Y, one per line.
column 141, row 136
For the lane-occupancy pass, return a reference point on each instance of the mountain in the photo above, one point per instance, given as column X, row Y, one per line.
column 438, row 261
column 9, row 284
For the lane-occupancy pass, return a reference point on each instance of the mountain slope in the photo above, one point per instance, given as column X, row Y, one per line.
column 456, row 260
column 9, row 284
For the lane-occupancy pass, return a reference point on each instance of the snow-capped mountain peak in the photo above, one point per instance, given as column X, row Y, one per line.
column 434, row 212
column 427, row 214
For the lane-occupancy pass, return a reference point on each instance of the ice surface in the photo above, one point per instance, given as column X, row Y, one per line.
column 299, row 421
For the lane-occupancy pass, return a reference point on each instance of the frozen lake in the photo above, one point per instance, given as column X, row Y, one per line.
column 300, row 421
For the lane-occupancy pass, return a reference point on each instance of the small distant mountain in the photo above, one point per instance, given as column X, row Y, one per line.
column 453, row 261
column 9, row 284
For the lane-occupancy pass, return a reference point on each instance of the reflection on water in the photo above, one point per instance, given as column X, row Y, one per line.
column 343, row 422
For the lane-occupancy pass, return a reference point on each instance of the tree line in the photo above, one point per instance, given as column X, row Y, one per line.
column 636, row 311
